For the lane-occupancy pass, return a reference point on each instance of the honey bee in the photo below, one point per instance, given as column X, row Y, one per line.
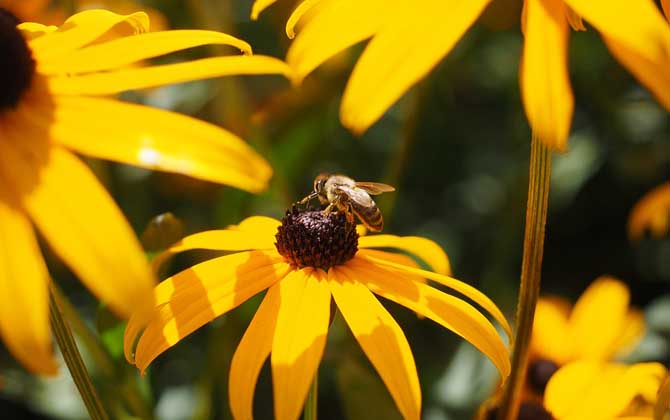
column 342, row 193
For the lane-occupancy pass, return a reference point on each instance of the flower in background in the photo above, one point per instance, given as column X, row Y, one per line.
column 663, row 397
column 408, row 39
column 317, row 256
column 651, row 213
column 54, row 102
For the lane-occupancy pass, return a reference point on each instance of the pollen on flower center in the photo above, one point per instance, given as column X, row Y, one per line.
column 18, row 67
column 316, row 239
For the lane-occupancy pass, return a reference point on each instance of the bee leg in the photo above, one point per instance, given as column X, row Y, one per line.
column 308, row 198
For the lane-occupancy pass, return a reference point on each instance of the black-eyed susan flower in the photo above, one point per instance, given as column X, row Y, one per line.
column 409, row 38
column 55, row 84
column 651, row 213
column 304, row 261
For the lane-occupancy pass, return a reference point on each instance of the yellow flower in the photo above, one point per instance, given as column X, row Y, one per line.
column 53, row 102
column 589, row 390
column 663, row 396
column 410, row 38
column 651, row 213
column 317, row 256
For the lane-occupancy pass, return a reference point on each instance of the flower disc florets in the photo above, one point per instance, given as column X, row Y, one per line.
column 18, row 67
column 316, row 238
column 539, row 373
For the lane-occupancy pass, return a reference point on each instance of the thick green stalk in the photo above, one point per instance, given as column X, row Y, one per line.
column 73, row 359
column 531, row 273
column 309, row 413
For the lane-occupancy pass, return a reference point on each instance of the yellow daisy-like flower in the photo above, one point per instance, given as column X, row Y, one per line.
column 651, row 213
column 410, row 38
column 54, row 89
column 317, row 256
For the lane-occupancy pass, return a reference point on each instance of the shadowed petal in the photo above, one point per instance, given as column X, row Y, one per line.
column 24, row 308
column 382, row 340
column 665, row 4
column 427, row 250
column 545, row 85
column 451, row 312
column 155, row 139
column 299, row 339
column 663, row 401
column 631, row 332
column 651, row 212
column 410, row 43
column 251, row 354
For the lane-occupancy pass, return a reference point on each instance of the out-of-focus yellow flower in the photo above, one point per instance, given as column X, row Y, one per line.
column 651, row 213
column 591, row 390
column 409, row 38
column 317, row 256
column 663, row 399
column 54, row 102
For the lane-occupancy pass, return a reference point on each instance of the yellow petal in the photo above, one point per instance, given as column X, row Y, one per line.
column 298, row 13
column 259, row 225
column 597, row 391
column 154, row 139
column 427, row 250
column 196, row 296
column 452, row 313
column 640, row 37
column 32, row 30
column 382, row 340
column 663, row 400
column 605, row 302
column 146, row 77
column 630, row 334
column 81, row 223
column 24, row 309
column 251, row 353
column 463, row 288
column 551, row 337
column 410, row 43
column 651, row 212
column 82, row 29
column 131, row 49
column 259, row 6
column 545, row 85
column 323, row 36
column 299, row 339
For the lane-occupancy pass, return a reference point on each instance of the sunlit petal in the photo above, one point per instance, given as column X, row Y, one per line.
column 382, row 340
column 258, row 225
column 451, row 312
column 427, row 250
column 410, row 43
column 24, row 308
column 545, row 85
column 32, row 30
column 303, row 8
column 198, row 295
column 259, row 6
column 155, row 139
column 299, row 339
column 251, row 354
column 131, row 49
column 551, row 337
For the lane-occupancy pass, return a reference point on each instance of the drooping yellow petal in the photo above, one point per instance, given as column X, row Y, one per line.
column 82, row 29
column 605, row 302
column 598, row 391
column 323, row 36
column 259, row 6
column 301, row 10
column 105, row 255
column 251, row 354
column 156, row 139
column 382, row 340
column 198, row 295
column 638, row 36
column 451, row 312
column 463, row 288
column 299, row 339
column 545, row 85
column 409, row 44
column 651, row 212
column 131, row 49
column 427, row 250
column 146, row 77
column 24, row 308
column 551, row 337
column 663, row 398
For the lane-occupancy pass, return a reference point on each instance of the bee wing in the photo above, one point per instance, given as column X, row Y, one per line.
column 357, row 195
column 374, row 188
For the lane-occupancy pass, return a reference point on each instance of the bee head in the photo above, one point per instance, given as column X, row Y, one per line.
column 320, row 183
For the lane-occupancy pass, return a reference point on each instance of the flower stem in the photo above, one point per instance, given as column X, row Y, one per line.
column 73, row 359
column 309, row 412
column 531, row 273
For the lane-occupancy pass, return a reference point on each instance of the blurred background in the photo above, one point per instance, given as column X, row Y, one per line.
column 456, row 147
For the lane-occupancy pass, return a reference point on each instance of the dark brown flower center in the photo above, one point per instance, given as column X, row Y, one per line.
column 539, row 373
column 316, row 239
column 18, row 66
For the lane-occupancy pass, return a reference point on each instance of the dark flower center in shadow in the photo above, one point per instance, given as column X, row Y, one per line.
column 316, row 239
column 539, row 373
column 18, row 67
column 529, row 410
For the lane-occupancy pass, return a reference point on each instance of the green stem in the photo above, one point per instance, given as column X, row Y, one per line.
column 531, row 273
column 310, row 410
column 73, row 359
